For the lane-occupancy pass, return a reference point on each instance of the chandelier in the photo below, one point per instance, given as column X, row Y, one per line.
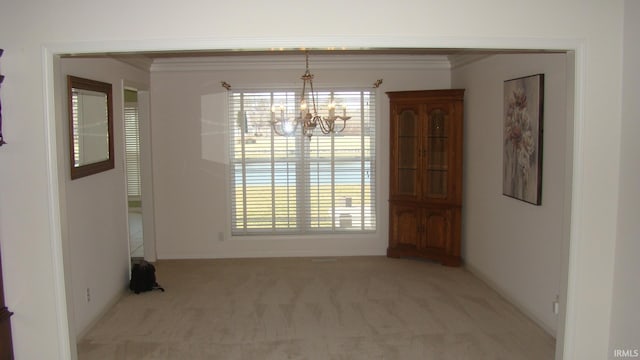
column 308, row 117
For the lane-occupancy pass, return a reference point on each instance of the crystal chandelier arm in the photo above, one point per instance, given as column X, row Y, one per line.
column 284, row 127
column 326, row 126
column 344, row 122
column 274, row 127
column 276, row 131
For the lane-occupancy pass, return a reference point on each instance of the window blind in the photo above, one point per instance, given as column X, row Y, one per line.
column 295, row 185
column 132, row 150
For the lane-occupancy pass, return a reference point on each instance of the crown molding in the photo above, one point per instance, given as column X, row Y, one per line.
column 287, row 62
column 458, row 61
column 138, row 62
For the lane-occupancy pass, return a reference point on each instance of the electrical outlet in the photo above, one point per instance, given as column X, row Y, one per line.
column 88, row 295
column 556, row 305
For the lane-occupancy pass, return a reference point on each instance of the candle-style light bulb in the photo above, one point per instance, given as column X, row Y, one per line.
column 332, row 108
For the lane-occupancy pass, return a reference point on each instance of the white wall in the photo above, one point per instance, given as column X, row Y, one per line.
column 190, row 145
column 31, row 30
column 625, row 318
column 514, row 245
column 96, row 241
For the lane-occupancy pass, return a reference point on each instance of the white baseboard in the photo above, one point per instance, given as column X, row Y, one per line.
column 272, row 254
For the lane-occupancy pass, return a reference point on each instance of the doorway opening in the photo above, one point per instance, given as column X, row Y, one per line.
column 147, row 202
column 132, row 164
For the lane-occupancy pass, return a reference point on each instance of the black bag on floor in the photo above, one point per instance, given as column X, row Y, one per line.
column 143, row 277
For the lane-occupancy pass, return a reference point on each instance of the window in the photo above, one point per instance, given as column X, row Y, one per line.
column 132, row 147
column 295, row 185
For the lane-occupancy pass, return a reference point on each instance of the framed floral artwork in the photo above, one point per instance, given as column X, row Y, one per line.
column 1, row 79
column 522, row 135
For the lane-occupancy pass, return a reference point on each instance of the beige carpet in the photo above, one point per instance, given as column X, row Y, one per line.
column 301, row 308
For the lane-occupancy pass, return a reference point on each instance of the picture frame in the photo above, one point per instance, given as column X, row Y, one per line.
column 523, row 104
column 2, row 142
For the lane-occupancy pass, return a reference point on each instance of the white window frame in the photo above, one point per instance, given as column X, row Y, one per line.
column 351, row 213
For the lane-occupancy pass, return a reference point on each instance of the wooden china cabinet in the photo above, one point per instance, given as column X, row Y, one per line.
column 425, row 197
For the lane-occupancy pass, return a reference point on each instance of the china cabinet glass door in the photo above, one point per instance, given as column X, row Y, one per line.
column 436, row 156
column 407, row 153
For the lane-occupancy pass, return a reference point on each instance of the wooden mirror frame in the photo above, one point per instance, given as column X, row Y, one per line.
column 79, row 171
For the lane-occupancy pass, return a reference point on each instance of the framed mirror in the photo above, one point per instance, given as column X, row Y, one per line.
column 90, row 126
